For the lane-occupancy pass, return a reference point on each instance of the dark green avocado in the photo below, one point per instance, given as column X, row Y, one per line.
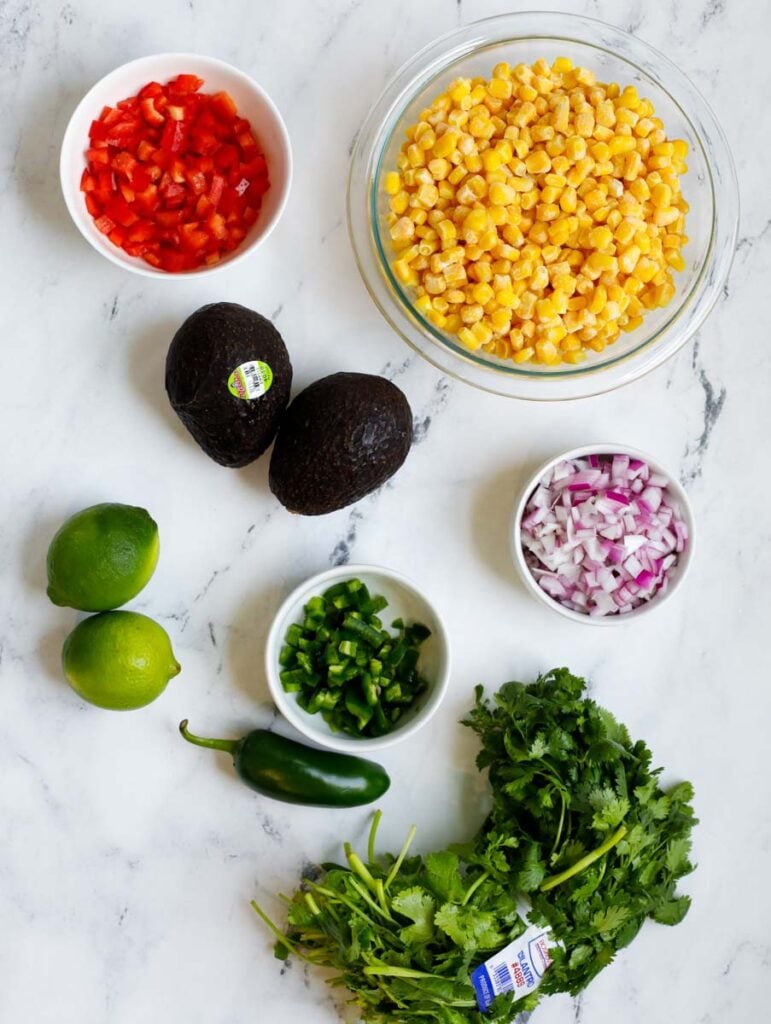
column 228, row 378
column 341, row 438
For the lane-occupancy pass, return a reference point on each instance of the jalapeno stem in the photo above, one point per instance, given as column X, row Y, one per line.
column 229, row 746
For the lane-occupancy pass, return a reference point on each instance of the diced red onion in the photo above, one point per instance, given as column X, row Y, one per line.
column 602, row 534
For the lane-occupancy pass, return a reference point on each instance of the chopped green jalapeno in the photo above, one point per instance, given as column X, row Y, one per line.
column 343, row 664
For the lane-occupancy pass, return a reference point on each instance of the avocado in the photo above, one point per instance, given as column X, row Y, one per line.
column 228, row 378
column 341, row 438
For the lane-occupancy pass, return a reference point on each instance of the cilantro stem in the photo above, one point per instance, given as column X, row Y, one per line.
column 474, row 886
column 559, row 827
column 332, row 895
column 410, row 975
column 372, row 833
column 382, row 897
column 360, row 868
column 369, row 901
column 394, row 971
column 585, row 861
column 400, row 859
column 281, row 938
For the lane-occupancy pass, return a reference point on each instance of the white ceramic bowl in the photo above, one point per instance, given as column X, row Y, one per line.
column 252, row 102
column 679, row 570
column 404, row 601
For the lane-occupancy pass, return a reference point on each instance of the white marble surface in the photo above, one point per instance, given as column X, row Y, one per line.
column 128, row 859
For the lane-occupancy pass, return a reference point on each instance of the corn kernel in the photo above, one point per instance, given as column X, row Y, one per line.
column 661, row 195
column 600, row 238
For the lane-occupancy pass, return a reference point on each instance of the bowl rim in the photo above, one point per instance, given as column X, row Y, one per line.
column 589, row 378
column 515, row 534
column 301, row 719
column 70, row 192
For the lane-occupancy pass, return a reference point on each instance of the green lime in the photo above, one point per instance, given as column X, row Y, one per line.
column 102, row 557
column 119, row 660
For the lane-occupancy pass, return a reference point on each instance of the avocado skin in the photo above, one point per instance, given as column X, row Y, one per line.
column 341, row 438
column 206, row 349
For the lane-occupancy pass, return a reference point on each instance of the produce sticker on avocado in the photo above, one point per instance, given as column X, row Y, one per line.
column 250, row 380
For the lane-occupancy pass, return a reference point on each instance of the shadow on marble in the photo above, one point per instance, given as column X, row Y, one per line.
column 245, row 651
column 40, row 140
column 491, row 520
column 35, row 547
column 147, row 372
column 49, row 651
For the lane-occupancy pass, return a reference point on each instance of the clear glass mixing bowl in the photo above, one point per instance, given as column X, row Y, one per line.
column 614, row 56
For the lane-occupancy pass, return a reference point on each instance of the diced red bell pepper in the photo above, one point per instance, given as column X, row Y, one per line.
column 248, row 145
column 142, row 231
column 110, row 115
column 185, row 83
column 140, row 178
column 147, row 201
column 226, row 157
column 120, row 211
column 97, row 157
column 197, row 181
column 151, row 90
column 222, row 106
column 173, row 194
column 174, row 135
column 216, row 225
column 104, row 224
column 216, row 190
column 124, row 163
column 145, row 151
column 174, row 176
column 150, row 112
column 168, row 219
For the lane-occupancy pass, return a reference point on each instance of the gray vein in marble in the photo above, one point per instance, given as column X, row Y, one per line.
column 391, row 371
column 746, row 242
column 271, row 830
column 330, row 231
column 714, row 400
column 217, row 573
column 436, row 405
column 16, row 22
column 341, row 553
column 712, row 11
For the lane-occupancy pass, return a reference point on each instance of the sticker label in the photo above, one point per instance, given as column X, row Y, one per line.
column 250, row 380
column 518, row 968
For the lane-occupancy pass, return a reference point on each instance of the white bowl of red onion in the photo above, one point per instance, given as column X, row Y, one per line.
column 603, row 534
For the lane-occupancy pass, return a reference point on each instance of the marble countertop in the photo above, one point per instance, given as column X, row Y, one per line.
column 128, row 859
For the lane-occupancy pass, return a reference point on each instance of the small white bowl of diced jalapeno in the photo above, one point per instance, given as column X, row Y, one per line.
column 357, row 658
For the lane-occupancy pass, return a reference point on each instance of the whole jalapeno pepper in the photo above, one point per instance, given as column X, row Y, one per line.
column 285, row 770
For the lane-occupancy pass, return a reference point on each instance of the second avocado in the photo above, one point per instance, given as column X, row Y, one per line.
column 228, row 377
column 341, row 438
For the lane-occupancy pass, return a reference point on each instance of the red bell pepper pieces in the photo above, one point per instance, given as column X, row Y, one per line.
column 174, row 176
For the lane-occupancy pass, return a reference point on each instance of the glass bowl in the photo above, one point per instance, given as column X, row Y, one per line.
column 709, row 186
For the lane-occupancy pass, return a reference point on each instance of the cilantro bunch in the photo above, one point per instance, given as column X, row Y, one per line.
column 579, row 822
column 579, row 827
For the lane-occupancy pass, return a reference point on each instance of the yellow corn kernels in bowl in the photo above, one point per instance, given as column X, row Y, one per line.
column 537, row 214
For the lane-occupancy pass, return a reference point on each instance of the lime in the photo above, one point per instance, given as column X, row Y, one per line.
column 119, row 660
column 102, row 557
